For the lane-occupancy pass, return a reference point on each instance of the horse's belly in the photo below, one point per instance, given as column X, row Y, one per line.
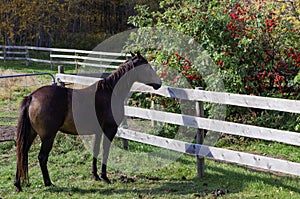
column 81, row 124
column 68, row 127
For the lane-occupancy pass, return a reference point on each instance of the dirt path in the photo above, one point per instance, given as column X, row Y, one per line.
column 7, row 133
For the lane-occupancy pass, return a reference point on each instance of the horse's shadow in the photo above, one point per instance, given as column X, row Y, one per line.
column 179, row 186
column 162, row 188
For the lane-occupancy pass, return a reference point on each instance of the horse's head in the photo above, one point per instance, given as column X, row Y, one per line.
column 145, row 73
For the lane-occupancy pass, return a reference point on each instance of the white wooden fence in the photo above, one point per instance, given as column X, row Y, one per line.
column 258, row 161
column 58, row 56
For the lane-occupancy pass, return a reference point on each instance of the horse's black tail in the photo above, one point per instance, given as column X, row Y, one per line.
column 23, row 133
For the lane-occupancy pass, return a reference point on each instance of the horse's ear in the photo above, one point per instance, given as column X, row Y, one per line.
column 132, row 54
column 139, row 54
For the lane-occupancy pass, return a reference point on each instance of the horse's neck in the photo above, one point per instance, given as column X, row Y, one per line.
column 119, row 82
column 122, row 88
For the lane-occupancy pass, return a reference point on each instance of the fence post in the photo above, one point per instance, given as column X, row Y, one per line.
column 27, row 57
column 76, row 61
column 4, row 54
column 200, row 137
column 125, row 124
column 60, row 69
column 51, row 61
column 153, row 107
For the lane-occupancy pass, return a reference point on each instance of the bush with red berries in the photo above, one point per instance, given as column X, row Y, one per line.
column 264, row 51
column 254, row 44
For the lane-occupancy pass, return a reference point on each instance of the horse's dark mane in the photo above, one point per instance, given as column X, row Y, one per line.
column 110, row 81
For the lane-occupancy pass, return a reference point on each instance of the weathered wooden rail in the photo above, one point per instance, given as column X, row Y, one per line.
column 248, row 159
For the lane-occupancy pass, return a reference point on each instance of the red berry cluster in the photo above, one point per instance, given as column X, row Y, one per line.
column 188, row 70
column 184, row 66
column 292, row 54
column 237, row 24
column 271, row 23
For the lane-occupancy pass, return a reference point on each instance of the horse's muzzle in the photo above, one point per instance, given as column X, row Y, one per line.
column 155, row 86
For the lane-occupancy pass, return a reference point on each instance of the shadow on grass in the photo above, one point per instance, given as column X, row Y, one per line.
column 220, row 178
column 181, row 188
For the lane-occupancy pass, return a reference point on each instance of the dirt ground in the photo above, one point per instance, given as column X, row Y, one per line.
column 7, row 133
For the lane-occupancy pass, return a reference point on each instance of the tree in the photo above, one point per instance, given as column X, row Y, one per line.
column 68, row 23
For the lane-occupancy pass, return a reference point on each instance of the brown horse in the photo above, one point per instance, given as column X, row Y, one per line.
column 51, row 109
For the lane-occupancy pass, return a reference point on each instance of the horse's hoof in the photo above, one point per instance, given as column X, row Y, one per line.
column 49, row 184
column 18, row 189
column 96, row 177
column 105, row 178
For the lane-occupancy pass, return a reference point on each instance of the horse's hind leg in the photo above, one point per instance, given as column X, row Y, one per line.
column 43, row 159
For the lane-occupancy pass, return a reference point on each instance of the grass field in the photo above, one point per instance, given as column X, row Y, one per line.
column 69, row 165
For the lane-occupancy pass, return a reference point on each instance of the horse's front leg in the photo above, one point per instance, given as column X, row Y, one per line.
column 96, row 149
column 108, row 136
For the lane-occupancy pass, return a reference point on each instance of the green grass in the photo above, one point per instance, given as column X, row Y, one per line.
column 20, row 67
column 69, row 166
column 267, row 148
column 8, row 118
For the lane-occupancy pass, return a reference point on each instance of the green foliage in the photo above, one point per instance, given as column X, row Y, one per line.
column 255, row 46
column 256, row 50
column 297, row 79
column 140, row 100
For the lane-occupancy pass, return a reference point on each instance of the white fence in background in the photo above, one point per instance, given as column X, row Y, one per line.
column 58, row 56
column 253, row 160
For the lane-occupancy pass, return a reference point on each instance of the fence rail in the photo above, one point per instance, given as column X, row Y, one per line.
column 248, row 159
column 29, row 75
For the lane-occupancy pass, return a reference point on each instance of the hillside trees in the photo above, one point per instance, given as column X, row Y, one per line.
column 67, row 23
